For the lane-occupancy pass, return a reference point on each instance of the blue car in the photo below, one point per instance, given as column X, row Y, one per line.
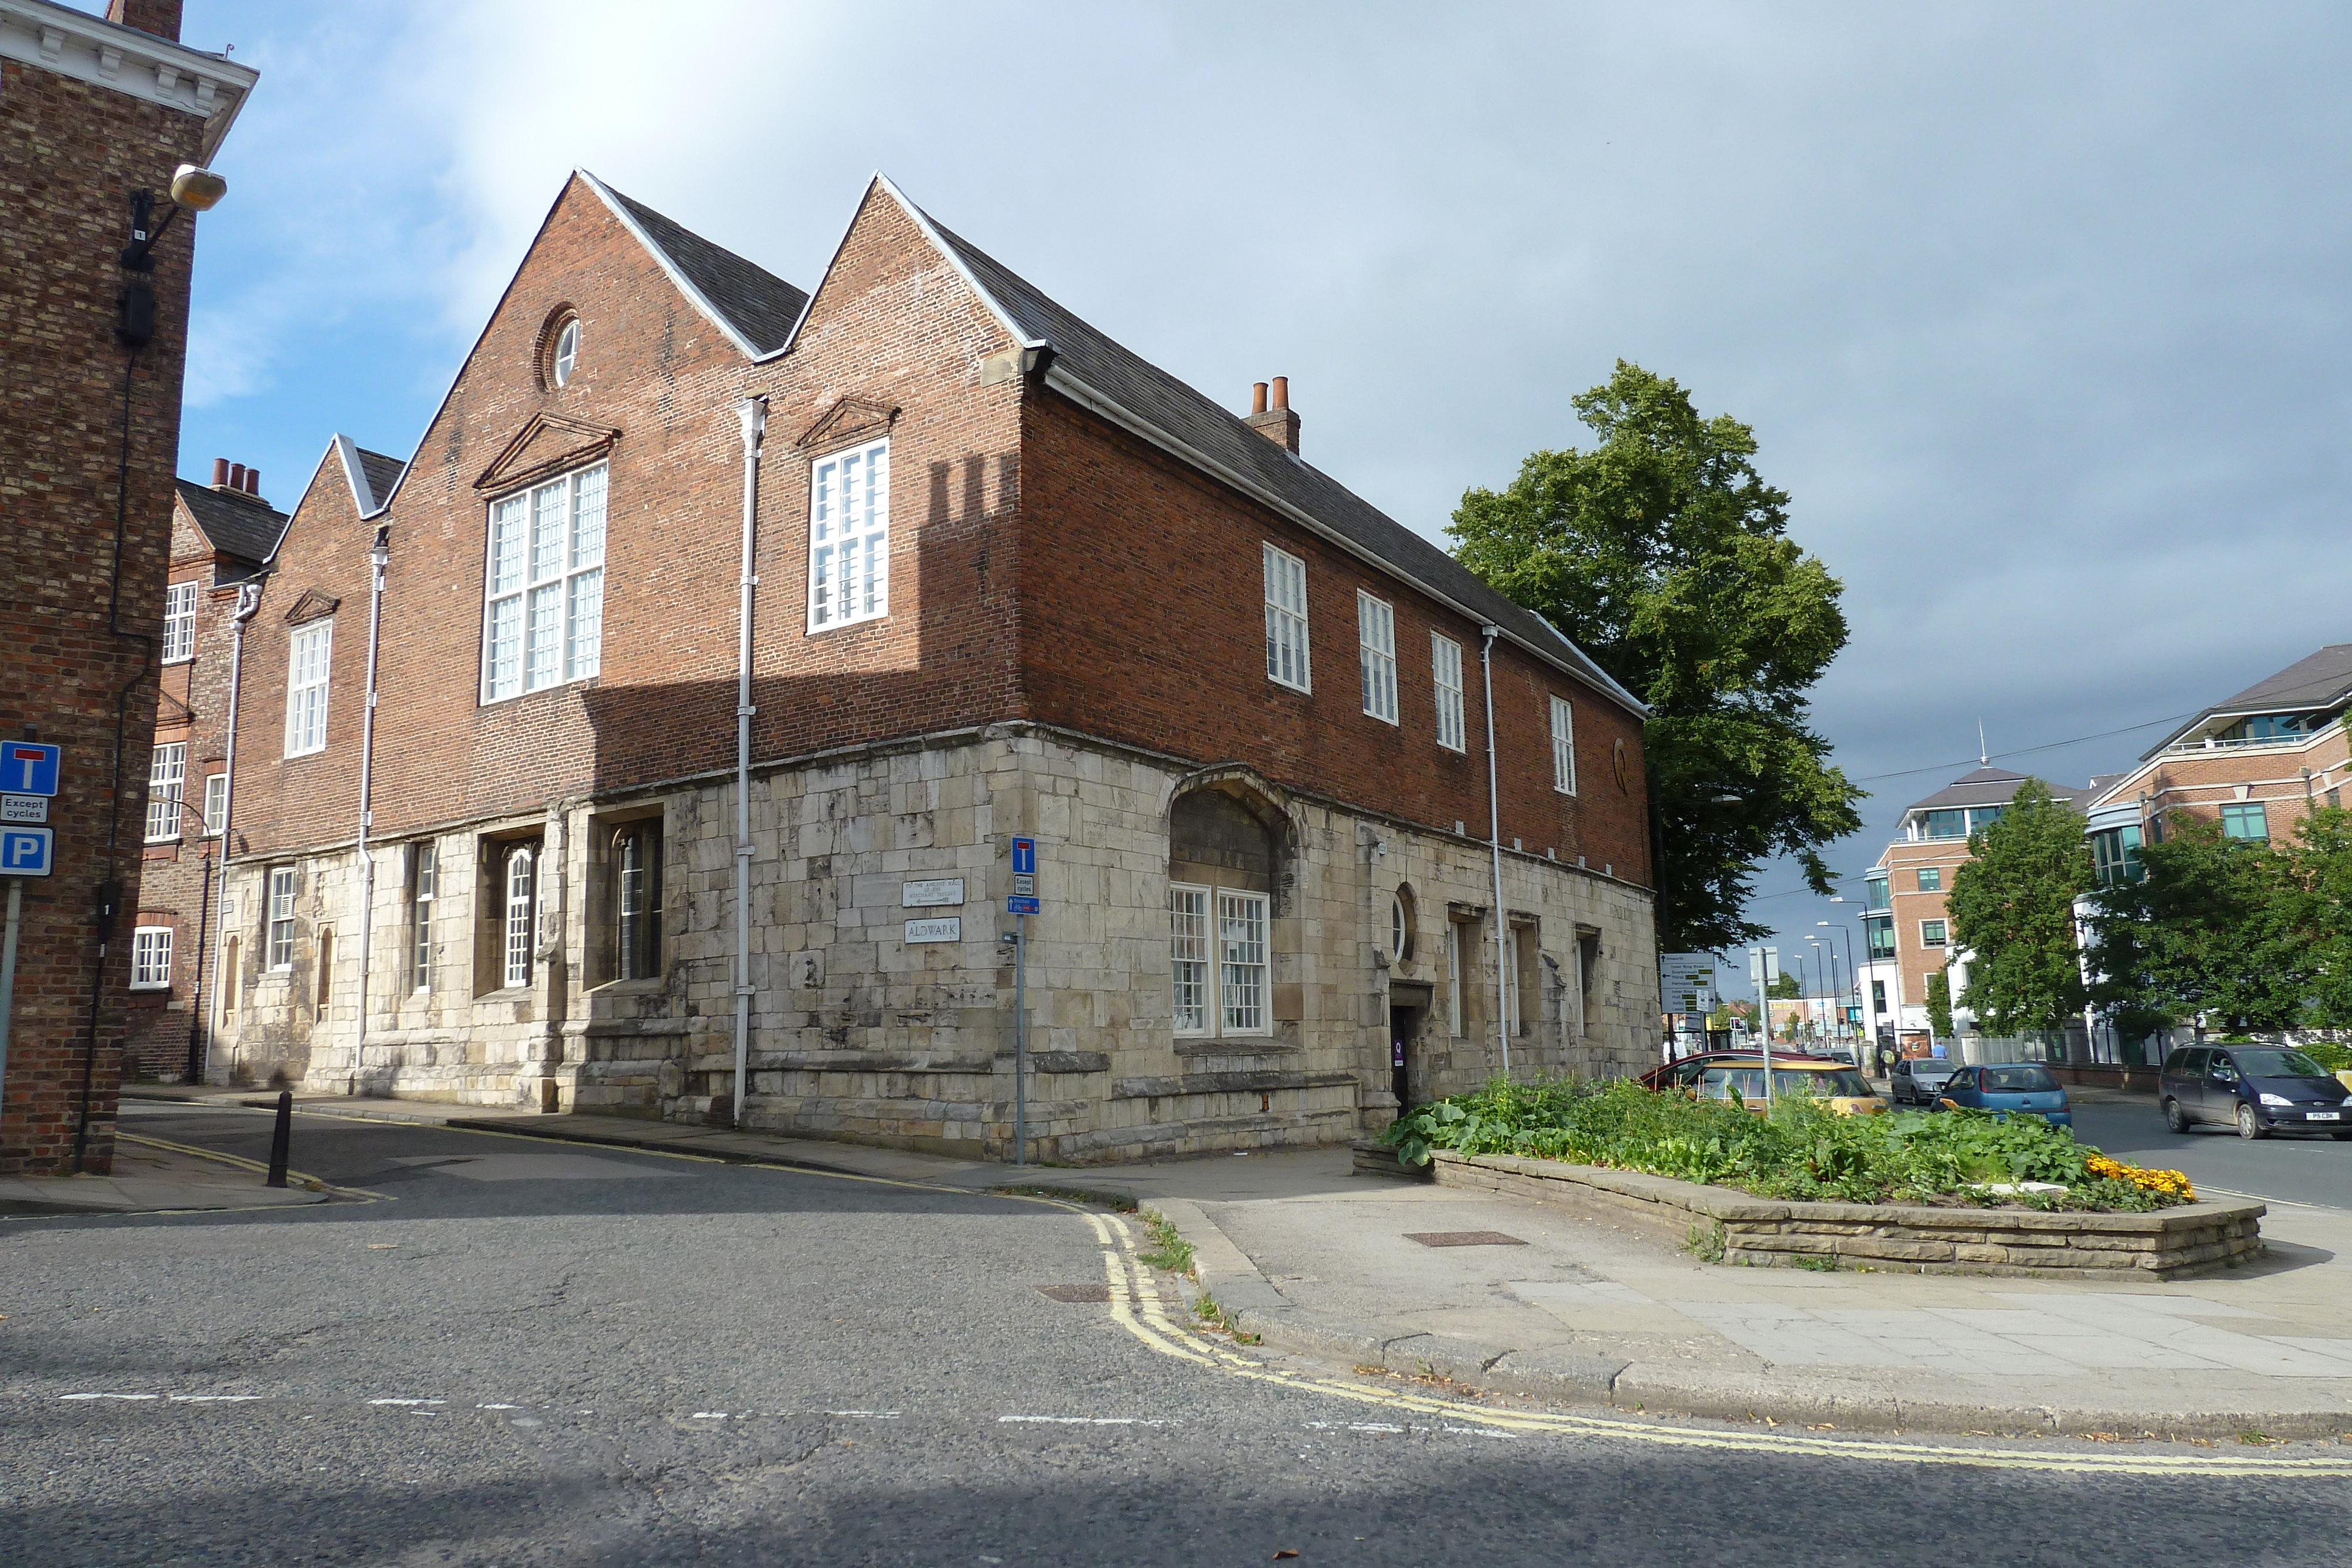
column 2010, row 1086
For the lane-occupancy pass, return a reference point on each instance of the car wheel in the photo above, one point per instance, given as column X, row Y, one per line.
column 2249, row 1126
column 2175, row 1118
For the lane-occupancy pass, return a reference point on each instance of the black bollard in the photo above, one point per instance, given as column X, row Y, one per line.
column 279, row 1139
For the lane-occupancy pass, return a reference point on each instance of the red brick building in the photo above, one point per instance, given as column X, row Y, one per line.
column 1006, row 579
column 222, row 535
column 93, row 334
column 2258, row 762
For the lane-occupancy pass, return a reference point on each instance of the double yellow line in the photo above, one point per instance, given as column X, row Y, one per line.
column 1136, row 1306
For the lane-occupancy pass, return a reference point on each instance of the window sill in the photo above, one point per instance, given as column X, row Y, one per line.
column 508, row 994
column 847, row 625
column 1286, row 685
column 651, row 985
column 298, row 755
column 153, row 991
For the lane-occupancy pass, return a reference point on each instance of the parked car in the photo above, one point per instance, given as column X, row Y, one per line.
column 1683, row 1071
column 1839, row 1082
column 2009, row 1086
column 1916, row 1080
column 2258, row 1089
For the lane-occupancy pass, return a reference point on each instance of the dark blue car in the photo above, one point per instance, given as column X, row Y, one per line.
column 2257, row 1089
column 2010, row 1086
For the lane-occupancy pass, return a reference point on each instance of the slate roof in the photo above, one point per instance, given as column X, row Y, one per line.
column 239, row 525
column 1990, row 787
column 383, row 473
column 760, row 308
column 2316, row 684
column 1146, row 390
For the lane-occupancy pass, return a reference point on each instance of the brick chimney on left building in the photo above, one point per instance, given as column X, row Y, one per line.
column 159, row 18
column 1277, row 423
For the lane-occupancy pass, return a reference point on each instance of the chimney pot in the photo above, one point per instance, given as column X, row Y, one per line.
column 237, row 476
column 1277, row 423
column 220, row 473
column 253, row 483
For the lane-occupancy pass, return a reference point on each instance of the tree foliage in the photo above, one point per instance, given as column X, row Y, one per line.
column 2012, row 911
column 1786, row 984
column 2211, row 928
column 2319, row 876
column 1939, row 1005
column 1662, row 554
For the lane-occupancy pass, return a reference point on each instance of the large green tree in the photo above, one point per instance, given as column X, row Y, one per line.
column 2012, row 910
column 2319, row 870
column 2210, row 929
column 1662, row 553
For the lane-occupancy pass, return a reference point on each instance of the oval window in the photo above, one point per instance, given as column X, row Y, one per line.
column 1400, row 925
column 567, row 351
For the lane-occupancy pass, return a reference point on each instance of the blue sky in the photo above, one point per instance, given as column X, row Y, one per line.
column 2039, row 313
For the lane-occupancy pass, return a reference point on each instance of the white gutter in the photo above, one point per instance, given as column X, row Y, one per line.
column 379, row 556
column 1495, row 841
column 248, row 605
column 754, row 412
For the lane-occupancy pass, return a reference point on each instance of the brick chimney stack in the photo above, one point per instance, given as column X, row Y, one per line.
column 158, row 18
column 1277, row 423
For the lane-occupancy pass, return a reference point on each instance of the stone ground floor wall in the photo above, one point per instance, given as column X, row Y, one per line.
column 883, row 970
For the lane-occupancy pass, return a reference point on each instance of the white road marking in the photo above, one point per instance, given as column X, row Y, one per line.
column 408, row 1401
column 497, row 1407
column 867, row 1415
column 213, row 1398
column 708, row 1416
column 1086, row 1420
column 110, row 1396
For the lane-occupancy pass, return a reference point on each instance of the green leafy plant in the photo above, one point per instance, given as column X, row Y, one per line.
column 1168, row 1249
column 1802, row 1150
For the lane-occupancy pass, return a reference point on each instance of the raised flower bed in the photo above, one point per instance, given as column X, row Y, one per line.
column 1948, row 1192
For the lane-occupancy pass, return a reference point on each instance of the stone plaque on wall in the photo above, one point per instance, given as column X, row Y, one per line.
column 946, row 892
column 948, row 928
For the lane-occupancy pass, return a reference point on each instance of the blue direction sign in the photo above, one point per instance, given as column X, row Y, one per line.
column 28, row 768
column 1016, row 904
column 26, row 851
column 1024, row 857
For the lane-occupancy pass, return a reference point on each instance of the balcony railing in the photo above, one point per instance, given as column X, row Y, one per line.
column 2251, row 742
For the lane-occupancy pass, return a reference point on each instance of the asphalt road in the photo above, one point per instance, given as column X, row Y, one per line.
column 2293, row 1168
column 526, row 1353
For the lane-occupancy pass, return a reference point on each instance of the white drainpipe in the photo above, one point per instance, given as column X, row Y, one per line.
column 754, row 412
column 248, row 605
column 1494, row 839
column 379, row 556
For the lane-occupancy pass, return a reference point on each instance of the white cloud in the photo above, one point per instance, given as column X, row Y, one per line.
column 2038, row 313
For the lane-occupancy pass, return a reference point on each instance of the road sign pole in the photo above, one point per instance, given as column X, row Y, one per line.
column 1020, row 1034
column 9, row 976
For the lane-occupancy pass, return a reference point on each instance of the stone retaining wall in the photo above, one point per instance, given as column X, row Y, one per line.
column 2166, row 1244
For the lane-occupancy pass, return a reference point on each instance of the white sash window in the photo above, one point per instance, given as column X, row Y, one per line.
column 849, row 538
column 543, row 621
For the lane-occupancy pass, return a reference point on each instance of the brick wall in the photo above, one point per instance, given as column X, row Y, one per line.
column 1145, row 588
column 69, row 154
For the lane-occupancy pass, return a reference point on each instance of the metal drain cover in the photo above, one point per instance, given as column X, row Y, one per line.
column 1463, row 1238
column 1075, row 1292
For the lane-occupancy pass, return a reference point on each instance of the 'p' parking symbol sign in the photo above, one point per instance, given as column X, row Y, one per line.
column 26, row 851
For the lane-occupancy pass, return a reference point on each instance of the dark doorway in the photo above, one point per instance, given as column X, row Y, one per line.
column 1405, row 1023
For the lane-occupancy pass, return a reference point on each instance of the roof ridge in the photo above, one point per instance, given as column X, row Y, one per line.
column 704, row 279
column 1245, row 449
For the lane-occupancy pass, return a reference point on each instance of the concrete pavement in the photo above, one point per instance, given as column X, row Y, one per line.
column 155, row 1176
column 1577, row 1309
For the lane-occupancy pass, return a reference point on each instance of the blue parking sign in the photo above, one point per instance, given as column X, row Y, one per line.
column 28, row 768
column 26, row 851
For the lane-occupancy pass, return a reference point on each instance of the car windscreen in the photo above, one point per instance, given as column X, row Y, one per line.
column 1749, row 1080
column 2276, row 1061
column 2018, row 1080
